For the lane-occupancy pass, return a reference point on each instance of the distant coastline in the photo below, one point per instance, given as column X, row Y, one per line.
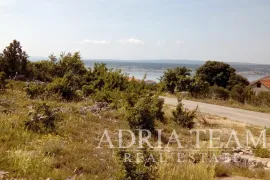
column 154, row 68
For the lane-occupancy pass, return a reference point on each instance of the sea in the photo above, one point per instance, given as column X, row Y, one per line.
column 154, row 69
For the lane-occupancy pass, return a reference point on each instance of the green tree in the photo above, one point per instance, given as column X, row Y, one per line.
column 236, row 79
column 2, row 64
column 176, row 78
column 2, row 81
column 70, row 63
column 215, row 73
column 199, row 88
column 53, row 58
column 14, row 59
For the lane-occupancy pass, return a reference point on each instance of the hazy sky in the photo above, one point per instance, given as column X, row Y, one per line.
column 225, row 30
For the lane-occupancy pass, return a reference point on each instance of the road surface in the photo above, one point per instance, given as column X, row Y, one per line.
column 245, row 116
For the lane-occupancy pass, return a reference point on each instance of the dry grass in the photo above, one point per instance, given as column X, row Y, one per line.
column 71, row 151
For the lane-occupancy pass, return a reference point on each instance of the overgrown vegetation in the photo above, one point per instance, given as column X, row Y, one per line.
column 43, row 119
column 184, row 117
column 261, row 152
column 215, row 81
column 50, row 121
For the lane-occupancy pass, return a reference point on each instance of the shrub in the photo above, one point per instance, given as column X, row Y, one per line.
column 250, row 94
column 199, row 88
column 222, row 170
column 142, row 115
column 41, row 70
column 220, row 93
column 144, row 170
column 88, row 90
column 70, row 63
column 238, row 93
column 43, row 119
column 184, row 117
column 157, row 108
column 2, row 81
column 35, row 90
column 261, row 152
column 60, row 86
column 264, row 98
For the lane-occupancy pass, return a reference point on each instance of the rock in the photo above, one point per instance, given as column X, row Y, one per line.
column 96, row 108
column 71, row 178
column 268, row 164
column 3, row 174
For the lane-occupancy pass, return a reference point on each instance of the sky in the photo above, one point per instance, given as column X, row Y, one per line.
column 222, row 30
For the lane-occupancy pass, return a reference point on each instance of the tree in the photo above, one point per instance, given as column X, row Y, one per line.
column 236, row 79
column 215, row 73
column 70, row 63
column 2, row 81
column 53, row 58
column 199, row 88
column 14, row 59
column 2, row 64
column 176, row 78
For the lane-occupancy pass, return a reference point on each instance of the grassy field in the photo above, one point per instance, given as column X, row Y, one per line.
column 71, row 150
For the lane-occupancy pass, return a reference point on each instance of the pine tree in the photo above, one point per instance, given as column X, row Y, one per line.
column 14, row 59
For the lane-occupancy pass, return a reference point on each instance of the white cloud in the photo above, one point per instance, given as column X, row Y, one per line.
column 179, row 42
column 87, row 41
column 130, row 41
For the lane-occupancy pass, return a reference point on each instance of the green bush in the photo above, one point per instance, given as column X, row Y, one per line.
column 220, row 93
column 238, row 93
column 222, row 170
column 41, row 70
column 60, row 86
column 88, row 90
column 105, row 96
column 184, row 117
column 35, row 90
column 158, row 108
column 264, row 98
column 236, row 79
column 146, row 169
column 143, row 114
column 43, row 119
column 261, row 152
column 199, row 88
column 2, row 81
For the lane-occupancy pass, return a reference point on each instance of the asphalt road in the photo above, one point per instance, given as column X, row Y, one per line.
column 245, row 116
